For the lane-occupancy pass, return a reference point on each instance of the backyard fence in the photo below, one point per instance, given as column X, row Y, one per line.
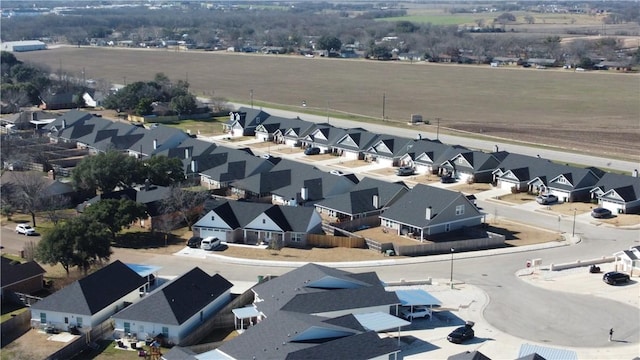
column 330, row 241
column 15, row 327
column 83, row 342
column 489, row 241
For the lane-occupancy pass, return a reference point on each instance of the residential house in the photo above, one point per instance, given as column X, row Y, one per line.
column 192, row 152
column 368, row 198
column 354, row 142
column 426, row 155
column 291, row 134
column 17, row 277
column 323, row 136
column 428, row 210
column 93, row 98
column 469, row 355
column 157, row 139
column 67, row 119
column 57, row 101
column 267, row 129
column 254, row 223
column 223, row 165
column 24, row 120
column 244, row 121
column 618, row 193
column 515, row 171
column 388, row 149
column 177, row 308
column 81, row 129
column 474, row 166
column 627, row 260
column 568, row 183
column 91, row 300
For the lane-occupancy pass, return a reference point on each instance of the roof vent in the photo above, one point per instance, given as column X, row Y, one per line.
column 427, row 213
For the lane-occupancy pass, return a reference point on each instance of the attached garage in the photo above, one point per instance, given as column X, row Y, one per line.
column 219, row 233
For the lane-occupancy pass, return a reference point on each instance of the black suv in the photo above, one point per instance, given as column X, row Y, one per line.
column 194, row 242
column 462, row 334
column 615, row 278
column 405, row 171
column 312, row 151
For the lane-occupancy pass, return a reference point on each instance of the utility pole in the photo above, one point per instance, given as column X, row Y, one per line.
column 438, row 128
column 251, row 95
column 327, row 111
column 451, row 275
column 384, row 100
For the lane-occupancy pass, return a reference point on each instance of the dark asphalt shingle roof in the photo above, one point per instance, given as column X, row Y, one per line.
column 360, row 199
column 178, row 300
column 628, row 187
column 14, row 272
column 90, row 295
column 225, row 165
column 363, row 346
column 469, row 355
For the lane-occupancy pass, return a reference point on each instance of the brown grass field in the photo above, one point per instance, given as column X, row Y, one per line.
column 595, row 112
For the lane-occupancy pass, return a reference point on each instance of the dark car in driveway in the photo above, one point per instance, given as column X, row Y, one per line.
column 405, row 171
column 615, row 278
column 312, row 151
column 462, row 334
column 447, row 179
column 600, row 213
column 194, row 242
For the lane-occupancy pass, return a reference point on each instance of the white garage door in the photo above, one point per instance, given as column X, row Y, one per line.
column 220, row 234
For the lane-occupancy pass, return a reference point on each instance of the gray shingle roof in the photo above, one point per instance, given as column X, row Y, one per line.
column 178, row 300
column 314, row 282
column 225, row 165
column 410, row 209
column 363, row 346
column 360, row 199
column 93, row 293
column 628, row 187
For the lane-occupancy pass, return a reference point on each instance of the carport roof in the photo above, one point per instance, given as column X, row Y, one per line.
column 380, row 321
column 412, row 297
column 144, row 270
column 246, row 312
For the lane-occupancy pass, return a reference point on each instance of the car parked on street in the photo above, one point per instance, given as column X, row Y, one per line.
column 462, row 334
column 312, row 151
column 615, row 278
column 25, row 229
column 546, row 199
column 418, row 311
column 405, row 171
column 600, row 213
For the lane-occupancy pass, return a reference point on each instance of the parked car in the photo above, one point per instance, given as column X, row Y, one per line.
column 546, row 199
column 405, row 171
column 312, row 151
column 447, row 179
column 615, row 278
column 600, row 213
column 418, row 311
column 25, row 229
column 194, row 242
column 210, row 243
column 462, row 334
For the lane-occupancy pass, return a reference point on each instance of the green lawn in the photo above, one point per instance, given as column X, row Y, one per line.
column 201, row 127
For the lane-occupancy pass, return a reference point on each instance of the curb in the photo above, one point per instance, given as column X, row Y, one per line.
column 377, row 263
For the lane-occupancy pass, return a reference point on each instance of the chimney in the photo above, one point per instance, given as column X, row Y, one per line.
column 634, row 173
column 304, row 193
column 155, row 144
column 376, row 201
column 194, row 166
column 64, row 123
column 51, row 174
column 186, row 153
column 427, row 213
column 147, row 184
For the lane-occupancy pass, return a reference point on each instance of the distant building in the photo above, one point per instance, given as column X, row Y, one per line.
column 26, row 45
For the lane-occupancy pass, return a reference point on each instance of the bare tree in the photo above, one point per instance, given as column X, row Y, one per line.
column 28, row 192
column 184, row 204
column 52, row 206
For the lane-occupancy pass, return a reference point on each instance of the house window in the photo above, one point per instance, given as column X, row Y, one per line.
column 296, row 237
column 127, row 327
column 459, row 209
column 562, row 180
column 460, row 160
column 43, row 318
column 79, row 321
column 447, row 227
column 213, row 218
column 264, row 221
column 165, row 332
column 66, row 320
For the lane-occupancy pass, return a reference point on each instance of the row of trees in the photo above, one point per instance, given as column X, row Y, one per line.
column 106, row 171
column 138, row 97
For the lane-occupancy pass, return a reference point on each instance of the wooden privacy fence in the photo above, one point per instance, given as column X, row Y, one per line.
column 83, row 341
column 491, row 240
column 15, row 327
column 329, row 241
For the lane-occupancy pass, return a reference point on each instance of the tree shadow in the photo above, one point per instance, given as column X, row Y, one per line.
column 146, row 240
